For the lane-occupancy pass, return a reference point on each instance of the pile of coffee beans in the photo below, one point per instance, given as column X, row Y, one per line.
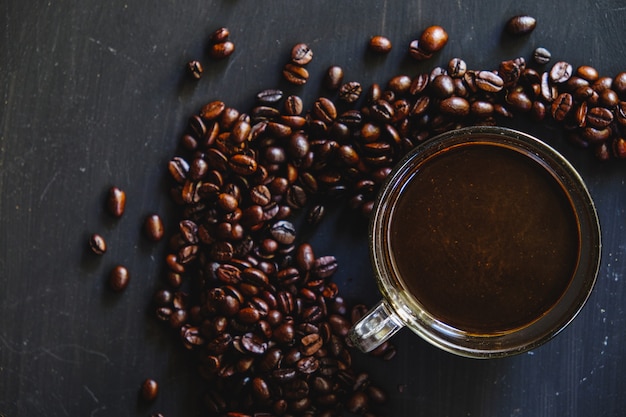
column 256, row 305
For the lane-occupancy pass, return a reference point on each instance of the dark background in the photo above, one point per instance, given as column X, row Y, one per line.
column 93, row 94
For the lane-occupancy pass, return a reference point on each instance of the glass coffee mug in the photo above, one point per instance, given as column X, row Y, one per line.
column 484, row 241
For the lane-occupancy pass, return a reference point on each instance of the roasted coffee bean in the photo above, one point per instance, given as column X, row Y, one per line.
column 519, row 101
column 561, row 106
column 212, row 110
column 295, row 74
column 520, row 25
column 350, row 91
column 116, row 201
column 153, row 227
column 284, row 232
column 97, row 244
column 285, row 334
column 293, row 105
column 119, row 278
column 324, row 110
column 619, row 148
column 417, row 52
column 599, row 117
column 455, row 106
column 608, row 98
column 457, row 67
column 253, row 344
column 222, row 50
column 333, row 77
column 339, row 324
column 301, row 54
column 379, row 44
column 620, row 113
column 400, row 84
column 381, row 111
column 488, row 81
column 149, row 389
column 195, row 69
column 324, row 267
column 260, row 389
column 541, row 56
column 269, row 96
column 619, row 84
column 296, row 197
column 311, row 344
column 433, row 39
column 561, row 72
column 307, row 365
column 219, row 35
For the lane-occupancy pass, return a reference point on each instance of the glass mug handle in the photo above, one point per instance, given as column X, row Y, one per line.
column 373, row 329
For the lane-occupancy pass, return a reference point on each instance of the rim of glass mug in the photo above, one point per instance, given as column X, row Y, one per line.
column 398, row 308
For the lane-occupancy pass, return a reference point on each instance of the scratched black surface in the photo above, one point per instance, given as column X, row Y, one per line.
column 93, row 94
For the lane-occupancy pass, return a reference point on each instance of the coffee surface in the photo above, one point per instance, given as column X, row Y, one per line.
column 485, row 238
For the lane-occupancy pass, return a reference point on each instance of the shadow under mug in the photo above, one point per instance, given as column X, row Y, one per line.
column 484, row 241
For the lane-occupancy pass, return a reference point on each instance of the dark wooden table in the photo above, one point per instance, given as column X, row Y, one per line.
column 93, row 94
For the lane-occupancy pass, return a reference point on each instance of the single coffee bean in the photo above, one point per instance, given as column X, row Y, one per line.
column 542, row 56
column 301, row 54
column 417, row 52
column 153, row 227
column 457, row 67
column 333, row 77
column 295, row 74
column 119, row 278
column 619, row 85
column 219, row 35
column 293, row 105
column 520, row 25
column 324, row 109
column 442, row 86
column 358, row 403
column 222, row 50
column 599, row 117
column 433, row 39
column 97, row 244
column 243, row 164
column 149, row 389
column 269, row 96
column 561, row 72
column 116, row 201
column 608, row 98
column 195, row 69
column 561, row 106
column 455, row 106
column 380, row 44
column 350, row 91
column 488, row 81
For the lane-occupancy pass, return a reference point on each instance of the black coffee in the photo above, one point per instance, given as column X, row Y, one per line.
column 485, row 238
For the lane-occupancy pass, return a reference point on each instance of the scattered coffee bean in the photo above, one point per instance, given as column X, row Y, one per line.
column 97, row 244
column 149, row 389
column 295, row 74
column 433, row 39
column 116, row 201
column 153, row 227
column 301, row 54
column 222, row 50
column 333, row 77
column 119, row 278
column 220, row 35
column 520, row 25
column 195, row 69
column 380, row 44
column 542, row 56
